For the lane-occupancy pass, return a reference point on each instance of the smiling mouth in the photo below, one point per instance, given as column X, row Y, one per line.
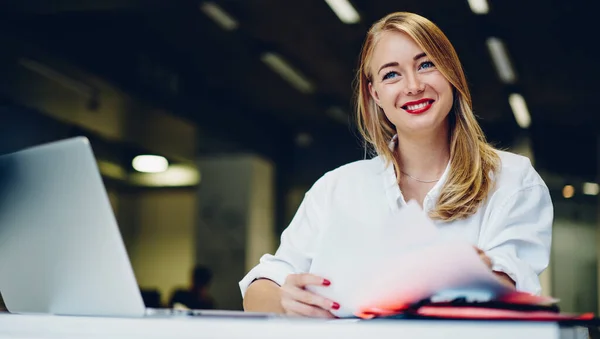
column 417, row 108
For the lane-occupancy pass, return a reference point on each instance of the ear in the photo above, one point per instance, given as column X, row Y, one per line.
column 374, row 94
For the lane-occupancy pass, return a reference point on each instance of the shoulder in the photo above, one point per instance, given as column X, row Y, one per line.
column 355, row 173
column 516, row 172
column 358, row 168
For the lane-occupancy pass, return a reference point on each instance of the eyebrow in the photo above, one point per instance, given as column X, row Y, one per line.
column 393, row 64
column 419, row 56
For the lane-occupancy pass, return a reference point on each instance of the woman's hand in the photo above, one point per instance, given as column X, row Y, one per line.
column 486, row 260
column 507, row 280
column 296, row 300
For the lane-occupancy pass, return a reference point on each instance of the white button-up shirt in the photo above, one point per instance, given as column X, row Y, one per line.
column 513, row 226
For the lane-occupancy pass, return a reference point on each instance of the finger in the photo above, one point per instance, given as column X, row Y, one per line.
column 486, row 260
column 309, row 298
column 479, row 250
column 297, row 308
column 306, row 279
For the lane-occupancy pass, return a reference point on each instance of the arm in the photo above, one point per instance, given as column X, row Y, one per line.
column 518, row 235
column 505, row 278
column 263, row 295
column 262, row 288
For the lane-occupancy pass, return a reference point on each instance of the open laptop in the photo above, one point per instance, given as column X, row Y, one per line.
column 61, row 250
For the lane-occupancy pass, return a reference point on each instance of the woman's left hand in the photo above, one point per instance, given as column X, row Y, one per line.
column 486, row 260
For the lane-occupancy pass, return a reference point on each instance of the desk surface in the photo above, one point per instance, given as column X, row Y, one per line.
column 47, row 326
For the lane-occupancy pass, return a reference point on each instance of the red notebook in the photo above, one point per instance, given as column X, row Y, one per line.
column 483, row 313
column 513, row 306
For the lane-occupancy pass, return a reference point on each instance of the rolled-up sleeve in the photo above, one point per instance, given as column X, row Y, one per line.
column 297, row 245
column 518, row 236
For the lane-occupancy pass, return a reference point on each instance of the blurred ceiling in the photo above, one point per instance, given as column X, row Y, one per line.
column 172, row 54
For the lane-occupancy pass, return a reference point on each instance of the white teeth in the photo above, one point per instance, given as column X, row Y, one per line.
column 419, row 106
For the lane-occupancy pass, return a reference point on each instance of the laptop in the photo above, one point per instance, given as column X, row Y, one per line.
column 61, row 251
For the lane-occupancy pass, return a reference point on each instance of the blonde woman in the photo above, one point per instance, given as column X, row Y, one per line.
column 414, row 110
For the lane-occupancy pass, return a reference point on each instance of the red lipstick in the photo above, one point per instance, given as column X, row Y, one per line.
column 418, row 106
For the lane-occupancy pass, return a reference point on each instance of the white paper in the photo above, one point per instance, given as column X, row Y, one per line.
column 397, row 262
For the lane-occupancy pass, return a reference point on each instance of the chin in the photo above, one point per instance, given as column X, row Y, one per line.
column 420, row 126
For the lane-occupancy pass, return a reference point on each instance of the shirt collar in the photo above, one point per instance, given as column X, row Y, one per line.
column 393, row 142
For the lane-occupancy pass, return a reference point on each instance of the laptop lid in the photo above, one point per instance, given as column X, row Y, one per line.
column 61, row 251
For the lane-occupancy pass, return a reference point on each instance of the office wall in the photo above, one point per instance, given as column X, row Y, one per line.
column 573, row 257
column 236, row 220
column 158, row 231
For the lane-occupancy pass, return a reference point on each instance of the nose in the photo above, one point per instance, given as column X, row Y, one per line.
column 414, row 85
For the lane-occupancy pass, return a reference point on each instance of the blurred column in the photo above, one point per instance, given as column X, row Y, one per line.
column 598, row 219
column 236, row 221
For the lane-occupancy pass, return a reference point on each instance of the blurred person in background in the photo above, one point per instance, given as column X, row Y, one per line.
column 414, row 111
column 197, row 296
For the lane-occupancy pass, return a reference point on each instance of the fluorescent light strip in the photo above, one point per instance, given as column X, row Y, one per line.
column 591, row 188
column 520, row 111
column 218, row 15
column 501, row 61
column 344, row 10
column 479, row 6
column 287, row 72
column 338, row 114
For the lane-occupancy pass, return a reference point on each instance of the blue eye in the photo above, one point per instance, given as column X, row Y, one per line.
column 426, row 64
column 390, row 75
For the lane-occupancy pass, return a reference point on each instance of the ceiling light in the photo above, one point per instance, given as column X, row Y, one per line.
column 150, row 163
column 520, row 111
column 111, row 170
column 568, row 191
column 174, row 176
column 344, row 10
column 218, row 15
column 501, row 61
column 338, row 114
column 287, row 72
column 479, row 6
column 591, row 188
column 304, row 139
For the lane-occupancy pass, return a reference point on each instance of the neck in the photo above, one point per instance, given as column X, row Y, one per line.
column 426, row 156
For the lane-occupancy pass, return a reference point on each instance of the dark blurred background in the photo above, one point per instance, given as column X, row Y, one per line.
column 251, row 101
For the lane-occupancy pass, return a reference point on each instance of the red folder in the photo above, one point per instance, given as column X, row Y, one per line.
column 512, row 306
column 482, row 313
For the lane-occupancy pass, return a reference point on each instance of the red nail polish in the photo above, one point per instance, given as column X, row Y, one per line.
column 326, row 282
column 335, row 306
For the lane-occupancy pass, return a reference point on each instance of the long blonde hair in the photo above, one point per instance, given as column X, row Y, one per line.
column 473, row 160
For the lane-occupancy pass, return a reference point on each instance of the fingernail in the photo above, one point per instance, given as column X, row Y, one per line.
column 326, row 282
column 335, row 306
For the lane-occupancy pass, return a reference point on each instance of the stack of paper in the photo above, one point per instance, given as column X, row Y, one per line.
column 397, row 263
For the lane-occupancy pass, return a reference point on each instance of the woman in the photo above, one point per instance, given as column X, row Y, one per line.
column 414, row 110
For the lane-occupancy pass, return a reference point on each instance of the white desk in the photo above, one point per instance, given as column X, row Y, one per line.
column 46, row 326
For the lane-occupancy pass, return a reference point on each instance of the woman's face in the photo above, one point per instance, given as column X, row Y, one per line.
column 414, row 95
